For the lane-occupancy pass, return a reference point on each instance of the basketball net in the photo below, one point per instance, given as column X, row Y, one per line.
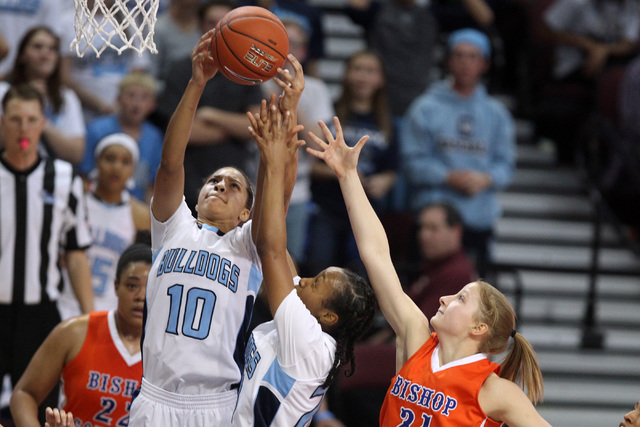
column 127, row 24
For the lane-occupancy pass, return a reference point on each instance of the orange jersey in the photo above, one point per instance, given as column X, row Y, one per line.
column 100, row 380
column 425, row 394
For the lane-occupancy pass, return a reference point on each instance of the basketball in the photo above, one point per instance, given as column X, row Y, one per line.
column 249, row 44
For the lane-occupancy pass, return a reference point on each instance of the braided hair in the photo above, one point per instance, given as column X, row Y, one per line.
column 355, row 304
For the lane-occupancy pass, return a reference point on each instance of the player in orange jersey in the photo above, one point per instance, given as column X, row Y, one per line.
column 445, row 378
column 97, row 357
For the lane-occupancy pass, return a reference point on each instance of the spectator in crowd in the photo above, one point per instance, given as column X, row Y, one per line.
column 38, row 63
column 96, row 356
column 136, row 100
column 176, row 32
column 94, row 79
column 446, row 268
column 363, row 110
column 398, row 29
column 219, row 135
column 43, row 223
column 589, row 37
column 18, row 17
column 613, row 152
column 309, row 16
column 402, row 32
column 114, row 218
column 458, row 144
column 4, row 47
column 591, row 34
column 315, row 104
column 632, row 418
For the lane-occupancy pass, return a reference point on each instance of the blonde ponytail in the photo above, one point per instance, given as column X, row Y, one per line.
column 520, row 365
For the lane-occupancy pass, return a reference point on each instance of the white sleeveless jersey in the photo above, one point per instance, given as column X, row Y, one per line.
column 286, row 362
column 113, row 230
column 200, row 294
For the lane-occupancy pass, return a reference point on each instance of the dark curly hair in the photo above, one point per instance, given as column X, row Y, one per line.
column 355, row 304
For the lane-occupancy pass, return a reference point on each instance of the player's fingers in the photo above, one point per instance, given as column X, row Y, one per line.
column 315, row 153
column 297, row 67
column 294, row 130
column 287, row 119
column 336, row 123
column 361, row 143
column 273, row 100
column 321, row 143
column 273, row 122
column 263, row 111
column 252, row 119
column 326, row 132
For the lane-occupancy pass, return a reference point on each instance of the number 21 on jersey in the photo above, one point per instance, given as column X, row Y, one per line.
column 408, row 417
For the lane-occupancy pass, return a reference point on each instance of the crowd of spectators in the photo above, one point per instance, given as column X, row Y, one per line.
column 441, row 145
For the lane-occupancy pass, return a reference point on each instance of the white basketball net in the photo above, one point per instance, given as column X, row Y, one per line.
column 126, row 24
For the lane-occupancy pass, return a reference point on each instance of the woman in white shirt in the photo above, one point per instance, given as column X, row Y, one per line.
column 38, row 63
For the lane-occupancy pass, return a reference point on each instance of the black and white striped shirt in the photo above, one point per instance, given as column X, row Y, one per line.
column 42, row 212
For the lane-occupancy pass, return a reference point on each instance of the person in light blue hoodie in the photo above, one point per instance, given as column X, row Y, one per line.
column 457, row 144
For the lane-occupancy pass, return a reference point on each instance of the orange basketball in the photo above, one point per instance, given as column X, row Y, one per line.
column 249, row 44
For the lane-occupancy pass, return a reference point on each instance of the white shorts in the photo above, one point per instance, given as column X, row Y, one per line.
column 157, row 407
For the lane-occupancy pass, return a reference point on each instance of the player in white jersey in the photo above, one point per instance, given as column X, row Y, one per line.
column 114, row 217
column 291, row 361
column 204, row 279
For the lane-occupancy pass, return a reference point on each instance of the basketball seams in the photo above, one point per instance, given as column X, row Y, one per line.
column 245, row 50
column 240, row 59
column 255, row 39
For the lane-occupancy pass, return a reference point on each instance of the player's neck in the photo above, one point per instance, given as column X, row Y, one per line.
column 455, row 349
column 110, row 197
column 223, row 226
column 129, row 334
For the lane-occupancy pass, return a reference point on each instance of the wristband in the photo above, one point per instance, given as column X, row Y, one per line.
column 324, row 415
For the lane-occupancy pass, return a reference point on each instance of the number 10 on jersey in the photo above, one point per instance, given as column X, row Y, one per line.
column 197, row 313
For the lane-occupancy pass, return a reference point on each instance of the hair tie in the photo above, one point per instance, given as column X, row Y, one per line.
column 513, row 333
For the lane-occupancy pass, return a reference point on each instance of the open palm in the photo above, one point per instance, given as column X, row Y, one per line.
column 335, row 152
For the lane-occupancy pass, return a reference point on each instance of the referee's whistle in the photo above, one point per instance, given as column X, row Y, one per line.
column 24, row 143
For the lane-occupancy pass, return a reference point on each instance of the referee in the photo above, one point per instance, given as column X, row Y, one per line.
column 42, row 224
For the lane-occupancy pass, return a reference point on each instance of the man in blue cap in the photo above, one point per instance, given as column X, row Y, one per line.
column 458, row 144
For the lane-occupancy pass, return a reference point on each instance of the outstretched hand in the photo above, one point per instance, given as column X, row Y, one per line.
column 203, row 65
column 58, row 418
column 335, row 152
column 292, row 85
column 275, row 136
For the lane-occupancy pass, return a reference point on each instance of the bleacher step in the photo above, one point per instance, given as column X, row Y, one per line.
column 567, row 311
column 582, row 416
column 588, row 392
column 585, row 363
column 541, row 282
column 532, row 180
column 550, row 206
column 552, row 231
column 569, row 337
column 540, row 256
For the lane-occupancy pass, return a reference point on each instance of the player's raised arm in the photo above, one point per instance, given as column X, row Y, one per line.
column 169, row 184
column 406, row 319
column 277, row 147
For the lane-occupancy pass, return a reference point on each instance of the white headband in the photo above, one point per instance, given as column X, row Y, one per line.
column 118, row 139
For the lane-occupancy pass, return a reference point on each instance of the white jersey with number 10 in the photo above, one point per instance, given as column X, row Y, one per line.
column 200, row 295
